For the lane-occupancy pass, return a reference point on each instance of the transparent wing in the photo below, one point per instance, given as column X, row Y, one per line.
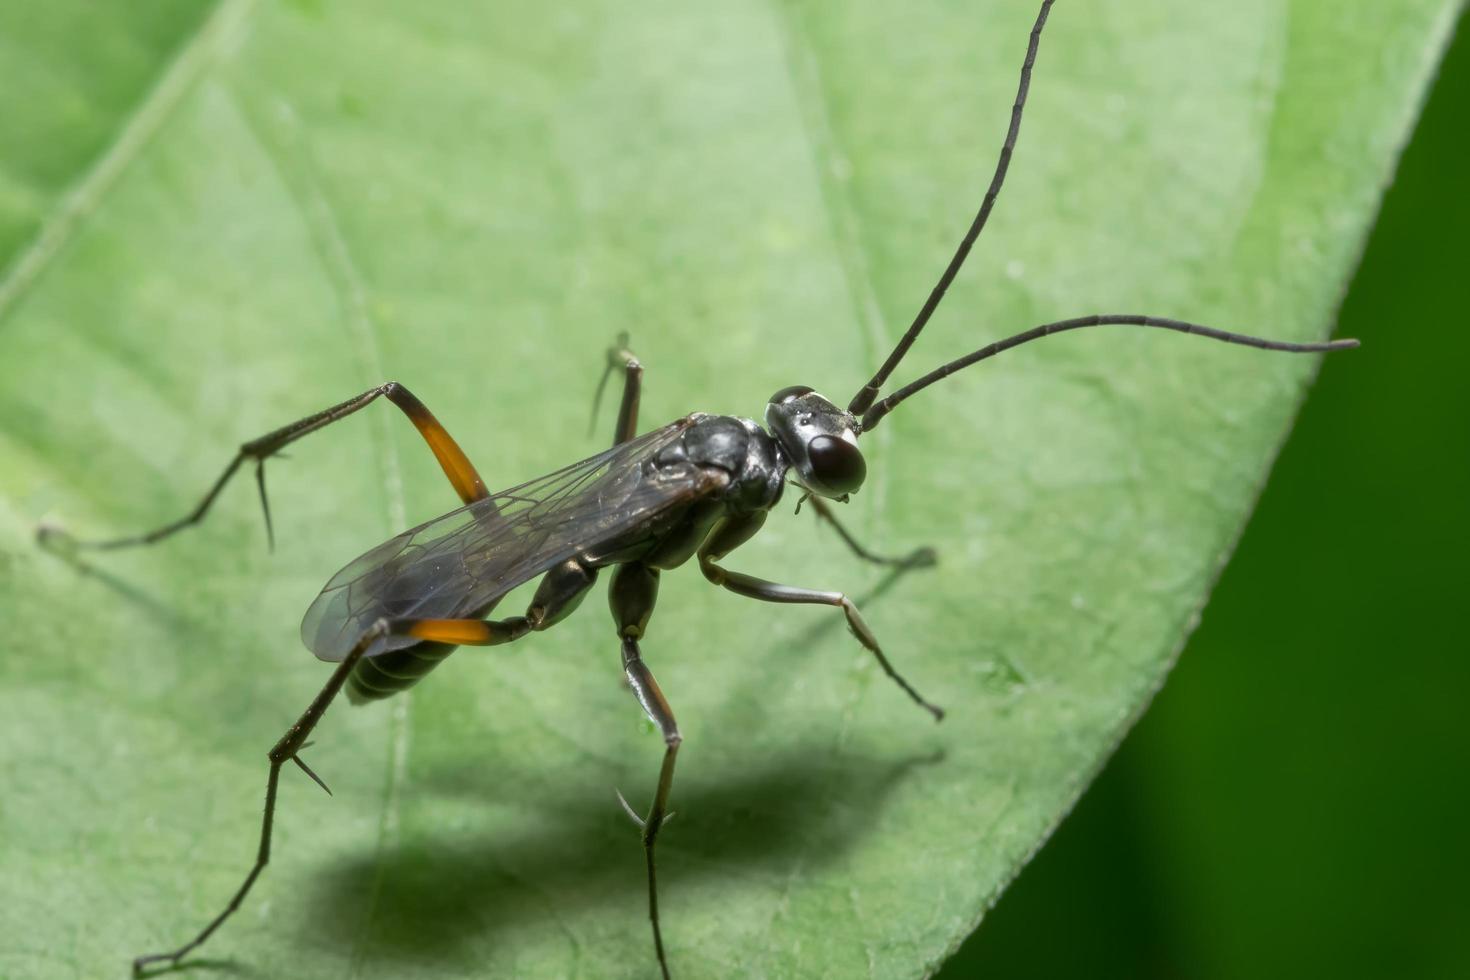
column 462, row 563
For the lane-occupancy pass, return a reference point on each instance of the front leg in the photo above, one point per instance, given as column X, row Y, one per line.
column 731, row 533
column 922, row 557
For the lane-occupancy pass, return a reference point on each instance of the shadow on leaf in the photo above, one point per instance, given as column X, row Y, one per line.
column 581, row 854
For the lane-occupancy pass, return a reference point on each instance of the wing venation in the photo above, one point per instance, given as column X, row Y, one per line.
column 462, row 563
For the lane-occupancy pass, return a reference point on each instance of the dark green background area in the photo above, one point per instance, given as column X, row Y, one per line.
column 1295, row 802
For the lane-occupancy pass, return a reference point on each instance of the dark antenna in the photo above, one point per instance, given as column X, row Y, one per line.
column 872, row 415
column 869, row 391
column 862, row 403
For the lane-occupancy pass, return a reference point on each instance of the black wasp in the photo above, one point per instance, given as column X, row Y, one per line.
column 696, row 488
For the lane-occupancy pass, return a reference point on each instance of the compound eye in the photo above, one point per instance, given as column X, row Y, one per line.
column 836, row 464
column 787, row 394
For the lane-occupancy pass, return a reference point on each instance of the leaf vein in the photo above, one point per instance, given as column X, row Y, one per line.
column 178, row 79
column 298, row 175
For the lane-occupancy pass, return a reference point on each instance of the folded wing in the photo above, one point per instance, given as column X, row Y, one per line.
column 459, row 565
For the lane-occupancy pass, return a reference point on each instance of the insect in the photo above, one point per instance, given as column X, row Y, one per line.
column 696, row 488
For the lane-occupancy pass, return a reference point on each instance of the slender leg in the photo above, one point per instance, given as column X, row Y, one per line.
column 631, row 595
column 460, row 631
column 457, row 467
column 923, row 557
column 619, row 356
column 732, row 532
column 561, row 590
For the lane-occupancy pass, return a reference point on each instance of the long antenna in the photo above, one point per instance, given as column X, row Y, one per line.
column 872, row 415
column 866, row 394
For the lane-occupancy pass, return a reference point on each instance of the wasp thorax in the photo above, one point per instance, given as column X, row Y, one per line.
column 819, row 439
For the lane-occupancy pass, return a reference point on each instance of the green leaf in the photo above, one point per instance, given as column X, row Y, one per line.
column 214, row 221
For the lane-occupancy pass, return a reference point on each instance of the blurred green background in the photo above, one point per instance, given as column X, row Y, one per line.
column 1295, row 801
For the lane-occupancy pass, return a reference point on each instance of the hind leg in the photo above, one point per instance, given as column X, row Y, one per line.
column 287, row 749
column 560, row 592
column 456, row 465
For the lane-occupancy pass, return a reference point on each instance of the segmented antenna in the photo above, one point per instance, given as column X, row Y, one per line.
column 871, row 417
column 862, row 404
column 869, row 391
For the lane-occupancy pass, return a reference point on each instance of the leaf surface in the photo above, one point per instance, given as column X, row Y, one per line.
column 214, row 220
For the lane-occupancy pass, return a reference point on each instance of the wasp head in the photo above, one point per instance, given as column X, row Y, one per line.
column 819, row 439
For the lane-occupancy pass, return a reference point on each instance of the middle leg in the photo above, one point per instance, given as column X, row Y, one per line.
column 631, row 595
column 619, row 356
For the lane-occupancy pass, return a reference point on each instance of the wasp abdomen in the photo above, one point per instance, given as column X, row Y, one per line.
column 383, row 676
